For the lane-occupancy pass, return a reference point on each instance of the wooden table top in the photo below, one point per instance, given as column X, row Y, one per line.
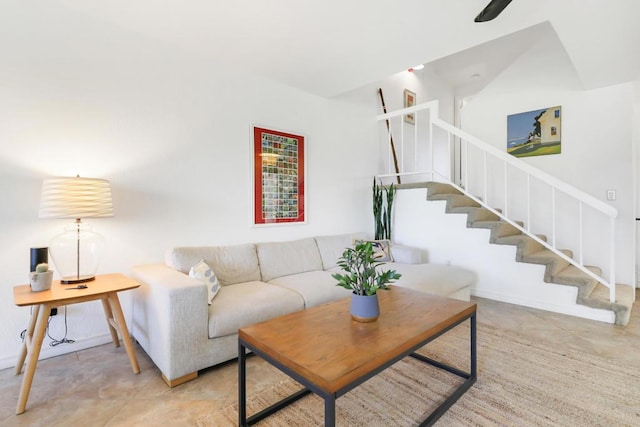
column 323, row 344
column 61, row 294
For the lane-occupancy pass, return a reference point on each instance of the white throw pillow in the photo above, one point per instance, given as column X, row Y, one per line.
column 203, row 272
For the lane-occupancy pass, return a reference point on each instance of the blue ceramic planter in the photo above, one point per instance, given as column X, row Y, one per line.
column 364, row 308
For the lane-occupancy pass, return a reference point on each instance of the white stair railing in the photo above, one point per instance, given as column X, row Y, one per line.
column 434, row 156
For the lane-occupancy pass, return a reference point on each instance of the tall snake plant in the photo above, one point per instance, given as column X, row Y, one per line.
column 382, row 208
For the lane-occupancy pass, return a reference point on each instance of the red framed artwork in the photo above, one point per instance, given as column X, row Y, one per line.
column 278, row 177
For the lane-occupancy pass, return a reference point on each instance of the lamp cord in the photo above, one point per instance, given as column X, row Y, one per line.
column 64, row 340
column 54, row 342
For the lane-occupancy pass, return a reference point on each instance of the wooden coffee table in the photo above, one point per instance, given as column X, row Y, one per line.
column 329, row 354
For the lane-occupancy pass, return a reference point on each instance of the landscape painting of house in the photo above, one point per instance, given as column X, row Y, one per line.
column 534, row 133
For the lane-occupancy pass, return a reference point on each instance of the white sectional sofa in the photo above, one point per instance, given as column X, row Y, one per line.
column 183, row 334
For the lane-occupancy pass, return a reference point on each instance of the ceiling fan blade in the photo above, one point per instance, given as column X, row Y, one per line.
column 492, row 10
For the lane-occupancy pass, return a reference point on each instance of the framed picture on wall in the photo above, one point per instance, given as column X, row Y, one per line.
column 278, row 177
column 409, row 101
column 534, row 133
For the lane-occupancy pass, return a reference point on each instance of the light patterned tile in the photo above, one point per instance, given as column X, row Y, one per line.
column 97, row 387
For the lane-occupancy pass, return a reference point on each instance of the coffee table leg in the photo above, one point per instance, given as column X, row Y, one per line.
column 330, row 411
column 474, row 351
column 242, row 391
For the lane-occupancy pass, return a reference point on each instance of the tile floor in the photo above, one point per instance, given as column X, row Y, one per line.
column 95, row 387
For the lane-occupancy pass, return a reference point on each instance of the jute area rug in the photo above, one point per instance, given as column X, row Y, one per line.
column 520, row 383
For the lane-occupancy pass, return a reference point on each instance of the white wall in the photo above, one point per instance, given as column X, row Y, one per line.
column 171, row 132
column 597, row 128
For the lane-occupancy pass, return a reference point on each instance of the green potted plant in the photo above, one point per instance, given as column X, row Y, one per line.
column 382, row 208
column 41, row 279
column 364, row 278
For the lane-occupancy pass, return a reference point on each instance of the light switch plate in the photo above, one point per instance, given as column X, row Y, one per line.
column 611, row 195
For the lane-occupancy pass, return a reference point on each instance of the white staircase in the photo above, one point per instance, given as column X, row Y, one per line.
column 482, row 181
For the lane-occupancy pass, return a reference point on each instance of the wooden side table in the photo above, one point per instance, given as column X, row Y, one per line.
column 105, row 287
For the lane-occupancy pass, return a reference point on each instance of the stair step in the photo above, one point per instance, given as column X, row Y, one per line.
column 525, row 244
column 517, row 237
column 454, row 201
column 625, row 297
column 481, row 214
column 409, row 186
column 462, row 210
column 573, row 276
column 498, row 229
column 554, row 263
column 435, row 188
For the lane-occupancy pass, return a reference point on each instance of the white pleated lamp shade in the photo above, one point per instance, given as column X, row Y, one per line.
column 77, row 251
column 75, row 197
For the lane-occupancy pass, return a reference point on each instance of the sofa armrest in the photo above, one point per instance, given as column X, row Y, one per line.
column 170, row 315
column 406, row 254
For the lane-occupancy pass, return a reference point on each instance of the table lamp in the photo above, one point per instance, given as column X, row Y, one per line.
column 77, row 251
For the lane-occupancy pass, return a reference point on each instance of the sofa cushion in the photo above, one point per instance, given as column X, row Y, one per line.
column 332, row 247
column 316, row 287
column 279, row 259
column 232, row 264
column 407, row 254
column 438, row 279
column 246, row 303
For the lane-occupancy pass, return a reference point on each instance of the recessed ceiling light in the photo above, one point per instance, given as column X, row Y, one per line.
column 416, row 68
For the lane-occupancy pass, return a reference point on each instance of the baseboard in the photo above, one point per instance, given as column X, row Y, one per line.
column 46, row 352
column 577, row 310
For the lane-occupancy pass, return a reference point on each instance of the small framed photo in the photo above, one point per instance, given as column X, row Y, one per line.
column 409, row 101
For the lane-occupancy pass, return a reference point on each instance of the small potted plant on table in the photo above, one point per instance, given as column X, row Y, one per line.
column 364, row 278
column 41, row 279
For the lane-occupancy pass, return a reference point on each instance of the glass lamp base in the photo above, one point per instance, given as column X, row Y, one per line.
column 73, row 280
column 76, row 253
